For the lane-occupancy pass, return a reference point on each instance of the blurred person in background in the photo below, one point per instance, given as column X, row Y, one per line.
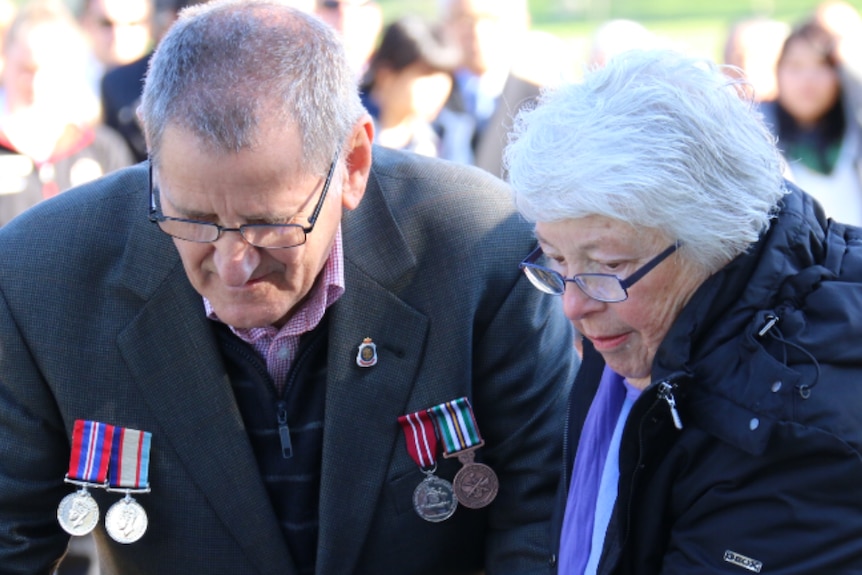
column 308, row 6
column 504, row 66
column 407, row 83
column 820, row 139
column 844, row 22
column 752, row 48
column 617, row 36
column 121, row 86
column 50, row 135
column 119, row 32
column 7, row 13
column 359, row 22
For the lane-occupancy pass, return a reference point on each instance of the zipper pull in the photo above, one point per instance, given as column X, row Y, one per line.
column 771, row 320
column 284, row 432
column 665, row 392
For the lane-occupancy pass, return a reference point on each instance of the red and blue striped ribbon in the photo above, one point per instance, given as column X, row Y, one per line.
column 91, row 451
column 130, row 459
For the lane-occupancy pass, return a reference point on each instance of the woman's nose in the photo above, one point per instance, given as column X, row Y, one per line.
column 577, row 304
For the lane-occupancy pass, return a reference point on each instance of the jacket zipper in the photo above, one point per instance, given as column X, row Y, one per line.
column 284, row 431
column 665, row 392
column 281, row 406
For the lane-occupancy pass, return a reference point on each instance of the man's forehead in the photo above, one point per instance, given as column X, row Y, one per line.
column 189, row 166
column 279, row 141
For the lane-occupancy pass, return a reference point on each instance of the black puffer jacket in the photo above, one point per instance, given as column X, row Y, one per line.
column 764, row 365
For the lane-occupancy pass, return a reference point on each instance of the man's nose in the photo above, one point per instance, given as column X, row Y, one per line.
column 235, row 258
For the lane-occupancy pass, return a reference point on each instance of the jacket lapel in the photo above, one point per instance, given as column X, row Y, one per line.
column 363, row 403
column 195, row 407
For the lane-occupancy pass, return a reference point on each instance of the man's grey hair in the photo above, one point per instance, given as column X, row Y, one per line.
column 229, row 68
column 655, row 139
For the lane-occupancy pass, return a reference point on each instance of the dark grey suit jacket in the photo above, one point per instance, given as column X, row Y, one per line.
column 98, row 321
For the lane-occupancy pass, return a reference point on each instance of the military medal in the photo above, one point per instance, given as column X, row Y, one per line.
column 433, row 498
column 126, row 520
column 78, row 512
column 475, row 485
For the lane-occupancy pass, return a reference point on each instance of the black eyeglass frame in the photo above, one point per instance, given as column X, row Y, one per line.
column 577, row 279
column 155, row 215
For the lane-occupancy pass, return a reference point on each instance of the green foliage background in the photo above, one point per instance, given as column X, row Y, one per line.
column 699, row 25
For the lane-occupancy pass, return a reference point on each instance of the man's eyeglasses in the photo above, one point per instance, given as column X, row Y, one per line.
column 606, row 288
column 269, row 236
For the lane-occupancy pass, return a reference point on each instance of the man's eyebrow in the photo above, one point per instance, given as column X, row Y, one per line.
column 267, row 217
column 164, row 196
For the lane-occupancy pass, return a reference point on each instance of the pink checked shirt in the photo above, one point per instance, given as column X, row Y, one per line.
column 278, row 346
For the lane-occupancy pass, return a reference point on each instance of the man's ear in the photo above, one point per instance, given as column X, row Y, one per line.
column 358, row 163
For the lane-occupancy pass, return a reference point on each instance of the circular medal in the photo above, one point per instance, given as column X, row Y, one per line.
column 78, row 513
column 434, row 500
column 475, row 485
column 126, row 521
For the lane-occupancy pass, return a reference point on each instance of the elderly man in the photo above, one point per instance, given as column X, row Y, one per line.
column 278, row 355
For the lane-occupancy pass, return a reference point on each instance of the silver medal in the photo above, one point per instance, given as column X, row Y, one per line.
column 434, row 500
column 126, row 521
column 78, row 513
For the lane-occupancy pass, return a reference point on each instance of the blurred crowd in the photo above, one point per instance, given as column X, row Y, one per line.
column 446, row 86
column 806, row 79
column 70, row 82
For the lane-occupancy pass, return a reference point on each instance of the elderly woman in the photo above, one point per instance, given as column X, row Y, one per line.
column 716, row 422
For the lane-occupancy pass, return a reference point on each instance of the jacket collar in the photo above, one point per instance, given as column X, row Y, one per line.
column 721, row 338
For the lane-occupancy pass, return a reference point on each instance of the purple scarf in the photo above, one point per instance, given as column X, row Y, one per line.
column 577, row 534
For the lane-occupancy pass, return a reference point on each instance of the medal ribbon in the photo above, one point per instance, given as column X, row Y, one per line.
column 91, row 451
column 421, row 441
column 130, row 459
column 456, row 425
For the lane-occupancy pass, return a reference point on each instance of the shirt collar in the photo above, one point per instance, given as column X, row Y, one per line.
column 326, row 290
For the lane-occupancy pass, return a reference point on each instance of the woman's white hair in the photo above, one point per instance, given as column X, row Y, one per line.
column 655, row 139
